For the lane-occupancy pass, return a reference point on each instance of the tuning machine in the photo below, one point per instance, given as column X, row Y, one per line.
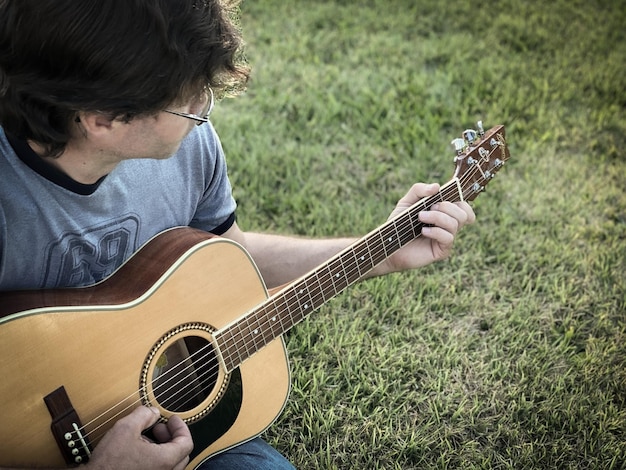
column 481, row 130
column 467, row 139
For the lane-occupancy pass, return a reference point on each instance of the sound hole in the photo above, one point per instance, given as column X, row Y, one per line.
column 185, row 374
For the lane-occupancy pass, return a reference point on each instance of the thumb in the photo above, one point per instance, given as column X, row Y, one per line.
column 177, row 428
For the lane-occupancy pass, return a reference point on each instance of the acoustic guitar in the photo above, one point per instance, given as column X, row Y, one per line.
column 185, row 325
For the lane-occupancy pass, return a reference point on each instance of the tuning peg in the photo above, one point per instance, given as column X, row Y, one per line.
column 469, row 135
column 476, row 187
column 481, row 130
column 459, row 145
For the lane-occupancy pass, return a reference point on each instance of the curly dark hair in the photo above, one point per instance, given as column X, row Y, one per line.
column 120, row 57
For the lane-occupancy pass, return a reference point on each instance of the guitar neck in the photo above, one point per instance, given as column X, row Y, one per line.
column 290, row 306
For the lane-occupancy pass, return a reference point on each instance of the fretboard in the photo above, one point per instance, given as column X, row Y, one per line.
column 287, row 308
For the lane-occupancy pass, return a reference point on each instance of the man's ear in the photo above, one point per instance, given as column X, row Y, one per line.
column 97, row 124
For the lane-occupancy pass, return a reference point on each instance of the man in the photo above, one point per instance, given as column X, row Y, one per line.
column 105, row 142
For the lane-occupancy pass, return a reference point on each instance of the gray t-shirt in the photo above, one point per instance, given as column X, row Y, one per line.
column 52, row 235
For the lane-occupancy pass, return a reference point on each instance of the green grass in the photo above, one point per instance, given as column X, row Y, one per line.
column 511, row 354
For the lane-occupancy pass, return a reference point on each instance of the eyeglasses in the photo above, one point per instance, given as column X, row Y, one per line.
column 206, row 110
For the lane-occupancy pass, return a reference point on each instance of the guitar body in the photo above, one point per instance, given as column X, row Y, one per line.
column 105, row 343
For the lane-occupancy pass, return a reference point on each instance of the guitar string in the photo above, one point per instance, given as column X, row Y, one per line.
column 325, row 281
column 260, row 320
column 243, row 339
column 468, row 176
column 324, row 284
column 211, row 371
column 475, row 169
column 399, row 229
column 402, row 230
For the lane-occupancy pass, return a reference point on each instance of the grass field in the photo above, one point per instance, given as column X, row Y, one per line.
column 511, row 354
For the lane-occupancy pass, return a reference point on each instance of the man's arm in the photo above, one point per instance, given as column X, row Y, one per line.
column 282, row 259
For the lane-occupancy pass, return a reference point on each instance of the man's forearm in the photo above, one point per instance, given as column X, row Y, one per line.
column 282, row 259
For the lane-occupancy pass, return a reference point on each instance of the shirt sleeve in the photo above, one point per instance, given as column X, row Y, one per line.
column 215, row 211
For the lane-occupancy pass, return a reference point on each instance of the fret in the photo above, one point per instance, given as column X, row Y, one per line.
column 302, row 301
column 389, row 238
column 248, row 339
column 363, row 257
column 274, row 318
column 404, row 229
column 286, row 309
column 224, row 348
column 263, row 327
column 414, row 223
column 376, row 242
column 253, row 337
column 315, row 293
column 230, row 352
column 357, row 271
column 379, row 253
column 324, row 279
column 350, row 266
column 396, row 235
column 337, row 275
column 240, row 338
column 236, row 347
column 353, row 273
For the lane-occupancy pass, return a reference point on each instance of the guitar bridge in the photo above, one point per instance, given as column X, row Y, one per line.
column 67, row 428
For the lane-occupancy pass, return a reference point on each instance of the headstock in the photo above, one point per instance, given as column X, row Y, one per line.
column 479, row 156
